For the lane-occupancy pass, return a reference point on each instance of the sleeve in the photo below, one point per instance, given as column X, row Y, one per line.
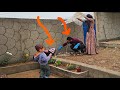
column 65, row 44
column 77, row 40
column 44, row 57
column 36, row 58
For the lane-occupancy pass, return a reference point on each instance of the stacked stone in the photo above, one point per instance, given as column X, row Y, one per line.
column 19, row 36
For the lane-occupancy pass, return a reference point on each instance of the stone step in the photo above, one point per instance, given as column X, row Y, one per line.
column 110, row 44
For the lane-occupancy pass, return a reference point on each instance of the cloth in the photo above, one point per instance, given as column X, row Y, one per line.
column 44, row 71
column 60, row 47
column 77, row 45
column 73, row 42
column 91, row 39
column 42, row 58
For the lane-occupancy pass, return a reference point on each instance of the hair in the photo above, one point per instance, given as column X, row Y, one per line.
column 87, row 21
column 89, row 16
column 38, row 47
column 69, row 38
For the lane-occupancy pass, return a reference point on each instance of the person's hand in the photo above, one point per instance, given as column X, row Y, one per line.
column 50, row 55
column 36, row 54
column 76, row 46
column 60, row 47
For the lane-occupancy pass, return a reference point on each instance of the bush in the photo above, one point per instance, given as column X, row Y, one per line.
column 5, row 59
column 51, row 61
column 71, row 66
column 25, row 57
column 58, row 63
column 4, row 62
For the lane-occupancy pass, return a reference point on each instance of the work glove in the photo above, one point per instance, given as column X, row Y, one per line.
column 52, row 50
column 76, row 46
column 60, row 47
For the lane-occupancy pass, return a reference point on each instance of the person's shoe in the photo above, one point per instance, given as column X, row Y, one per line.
column 45, row 77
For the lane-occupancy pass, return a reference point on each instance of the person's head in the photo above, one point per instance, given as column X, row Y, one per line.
column 69, row 39
column 89, row 16
column 39, row 48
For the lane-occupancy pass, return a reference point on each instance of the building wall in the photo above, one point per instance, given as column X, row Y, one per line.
column 108, row 25
column 21, row 35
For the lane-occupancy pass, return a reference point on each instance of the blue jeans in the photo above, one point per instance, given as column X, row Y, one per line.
column 44, row 71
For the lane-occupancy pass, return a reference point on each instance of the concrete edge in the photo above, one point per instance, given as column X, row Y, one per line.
column 34, row 65
column 19, row 68
column 93, row 69
column 66, row 73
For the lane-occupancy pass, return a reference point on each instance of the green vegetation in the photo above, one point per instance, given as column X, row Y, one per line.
column 71, row 67
column 51, row 61
column 58, row 63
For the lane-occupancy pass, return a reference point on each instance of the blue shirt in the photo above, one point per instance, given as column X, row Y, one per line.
column 42, row 58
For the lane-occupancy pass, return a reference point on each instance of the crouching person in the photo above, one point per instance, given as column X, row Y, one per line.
column 43, row 59
column 76, row 45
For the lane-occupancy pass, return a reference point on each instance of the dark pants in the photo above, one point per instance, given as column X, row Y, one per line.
column 81, row 48
column 44, row 71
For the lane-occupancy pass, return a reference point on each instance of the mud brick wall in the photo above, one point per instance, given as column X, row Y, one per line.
column 108, row 25
column 21, row 35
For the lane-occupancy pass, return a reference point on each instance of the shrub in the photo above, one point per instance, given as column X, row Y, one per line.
column 4, row 61
column 51, row 61
column 71, row 66
column 25, row 57
column 58, row 63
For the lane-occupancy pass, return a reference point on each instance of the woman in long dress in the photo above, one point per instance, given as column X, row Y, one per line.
column 90, row 37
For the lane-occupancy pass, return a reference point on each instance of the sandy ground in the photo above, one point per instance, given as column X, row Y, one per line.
column 29, row 74
column 107, row 58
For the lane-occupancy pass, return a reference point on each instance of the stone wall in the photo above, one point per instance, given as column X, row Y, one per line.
column 21, row 35
column 108, row 25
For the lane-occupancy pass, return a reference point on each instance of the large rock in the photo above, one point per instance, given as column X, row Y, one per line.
column 32, row 50
column 58, row 36
column 16, row 26
column 28, row 43
column 24, row 25
column 17, row 36
column 9, row 33
column 3, row 39
column 13, row 51
column 32, row 26
column 10, row 43
column 23, row 46
column 1, row 20
column 18, row 45
column 48, row 26
column 18, row 56
column 38, row 41
column 52, row 34
column 40, row 30
column 2, row 30
column 55, row 28
column 3, row 49
column 25, row 34
column 26, row 51
column 34, row 35
column 43, row 36
column 55, row 22
column 8, row 23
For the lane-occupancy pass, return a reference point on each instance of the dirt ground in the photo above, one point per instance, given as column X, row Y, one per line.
column 29, row 74
column 107, row 58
